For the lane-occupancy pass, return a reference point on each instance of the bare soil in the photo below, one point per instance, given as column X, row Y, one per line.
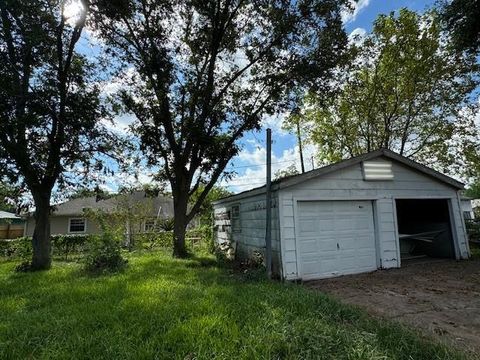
column 439, row 297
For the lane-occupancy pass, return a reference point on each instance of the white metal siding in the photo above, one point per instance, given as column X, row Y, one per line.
column 252, row 223
column 387, row 233
column 335, row 238
column 349, row 184
column 459, row 230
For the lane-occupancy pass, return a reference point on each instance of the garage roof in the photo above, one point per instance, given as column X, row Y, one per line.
column 295, row 179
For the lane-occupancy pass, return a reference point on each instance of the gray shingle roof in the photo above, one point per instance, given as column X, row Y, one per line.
column 160, row 205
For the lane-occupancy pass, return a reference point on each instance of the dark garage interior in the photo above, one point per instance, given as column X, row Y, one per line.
column 424, row 228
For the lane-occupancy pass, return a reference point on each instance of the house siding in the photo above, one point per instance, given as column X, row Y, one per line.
column 251, row 238
column 59, row 225
column 348, row 184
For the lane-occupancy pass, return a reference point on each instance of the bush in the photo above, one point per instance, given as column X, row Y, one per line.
column 63, row 245
column 24, row 266
column 68, row 244
column 152, row 240
column 104, row 254
column 167, row 225
column 473, row 229
column 16, row 248
column 475, row 251
column 205, row 232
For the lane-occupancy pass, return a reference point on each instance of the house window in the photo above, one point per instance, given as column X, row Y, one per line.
column 77, row 225
column 467, row 215
column 149, row 225
column 235, row 220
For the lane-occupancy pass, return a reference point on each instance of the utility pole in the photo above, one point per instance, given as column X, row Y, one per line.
column 268, row 207
column 299, row 139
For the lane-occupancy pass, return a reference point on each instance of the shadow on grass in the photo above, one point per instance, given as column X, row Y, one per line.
column 166, row 308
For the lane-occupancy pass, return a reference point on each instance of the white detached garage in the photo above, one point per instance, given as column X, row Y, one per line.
column 366, row 213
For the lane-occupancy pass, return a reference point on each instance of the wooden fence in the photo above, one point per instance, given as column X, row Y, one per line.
column 11, row 231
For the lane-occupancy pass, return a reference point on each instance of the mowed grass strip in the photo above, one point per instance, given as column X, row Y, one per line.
column 161, row 308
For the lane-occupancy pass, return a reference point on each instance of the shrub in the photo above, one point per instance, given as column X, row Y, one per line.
column 16, row 248
column 225, row 253
column 152, row 240
column 24, row 266
column 166, row 224
column 205, row 232
column 68, row 244
column 61, row 245
column 475, row 250
column 473, row 229
column 104, row 254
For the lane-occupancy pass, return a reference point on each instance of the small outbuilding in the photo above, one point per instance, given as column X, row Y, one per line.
column 374, row 211
column 11, row 225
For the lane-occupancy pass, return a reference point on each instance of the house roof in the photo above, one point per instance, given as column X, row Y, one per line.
column 157, row 206
column 8, row 215
column 76, row 206
column 296, row 179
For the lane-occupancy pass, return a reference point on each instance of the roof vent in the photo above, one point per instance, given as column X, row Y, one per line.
column 377, row 170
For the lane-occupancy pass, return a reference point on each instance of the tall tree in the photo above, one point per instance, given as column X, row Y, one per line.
column 407, row 90
column 50, row 114
column 10, row 197
column 205, row 213
column 461, row 19
column 286, row 172
column 206, row 71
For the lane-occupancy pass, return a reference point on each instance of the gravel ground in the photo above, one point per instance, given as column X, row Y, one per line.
column 439, row 297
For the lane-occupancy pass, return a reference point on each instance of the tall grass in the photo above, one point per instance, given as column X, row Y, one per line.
column 162, row 308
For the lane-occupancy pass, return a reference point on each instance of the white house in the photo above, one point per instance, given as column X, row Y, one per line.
column 370, row 212
column 69, row 218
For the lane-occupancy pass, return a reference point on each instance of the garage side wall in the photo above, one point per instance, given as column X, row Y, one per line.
column 250, row 238
column 348, row 184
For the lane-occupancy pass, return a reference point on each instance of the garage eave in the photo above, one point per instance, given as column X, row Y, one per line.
column 369, row 156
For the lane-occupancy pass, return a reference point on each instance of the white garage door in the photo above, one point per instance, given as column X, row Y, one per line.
column 335, row 238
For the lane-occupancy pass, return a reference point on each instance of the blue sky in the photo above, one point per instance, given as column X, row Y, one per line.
column 249, row 165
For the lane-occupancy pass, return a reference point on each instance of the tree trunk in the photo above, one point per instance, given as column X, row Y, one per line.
column 180, row 204
column 41, row 258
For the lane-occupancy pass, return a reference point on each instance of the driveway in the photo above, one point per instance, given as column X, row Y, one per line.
column 440, row 297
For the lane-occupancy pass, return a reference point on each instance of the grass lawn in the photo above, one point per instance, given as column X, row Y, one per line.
column 160, row 308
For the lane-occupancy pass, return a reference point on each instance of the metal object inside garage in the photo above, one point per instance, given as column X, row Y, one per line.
column 370, row 212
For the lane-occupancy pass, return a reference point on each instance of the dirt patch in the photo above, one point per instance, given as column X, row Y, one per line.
column 440, row 297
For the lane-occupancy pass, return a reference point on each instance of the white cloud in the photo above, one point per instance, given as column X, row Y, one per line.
column 357, row 6
column 357, row 36
column 121, row 123
column 110, row 89
column 275, row 122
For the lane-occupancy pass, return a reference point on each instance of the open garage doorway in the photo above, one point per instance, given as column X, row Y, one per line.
column 424, row 228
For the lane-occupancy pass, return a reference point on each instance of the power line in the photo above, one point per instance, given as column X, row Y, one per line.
column 248, row 166
column 245, row 180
